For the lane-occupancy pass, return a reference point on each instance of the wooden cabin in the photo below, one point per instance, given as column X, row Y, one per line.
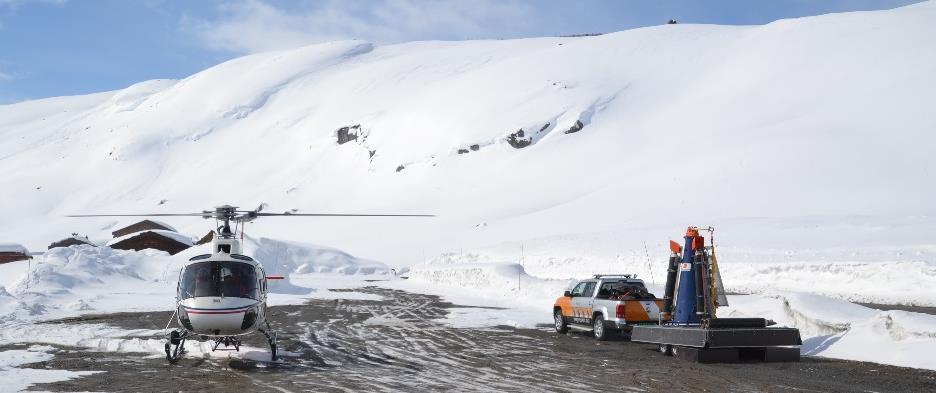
column 142, row 226
column 11, row 252
column 73, row 240
column 205, row 239
column 168, row 241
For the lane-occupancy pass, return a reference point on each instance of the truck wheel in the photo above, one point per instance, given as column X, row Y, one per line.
column 666, row 349
column 599, row 329
column 561, row 326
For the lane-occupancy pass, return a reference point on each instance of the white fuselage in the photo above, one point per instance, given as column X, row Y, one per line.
column 222, row 294
column 219, row 316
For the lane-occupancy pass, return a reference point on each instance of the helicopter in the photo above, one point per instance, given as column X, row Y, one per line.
column 221, row 295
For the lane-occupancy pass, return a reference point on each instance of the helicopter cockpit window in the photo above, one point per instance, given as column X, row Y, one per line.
column 219, row 278
column 238, row 280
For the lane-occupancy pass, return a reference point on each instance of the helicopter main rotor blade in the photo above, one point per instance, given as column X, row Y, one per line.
column 340, row 215
column 145, row 215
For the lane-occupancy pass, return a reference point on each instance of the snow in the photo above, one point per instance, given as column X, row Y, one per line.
column 778, row 255
column 838, row 329
column 82, row 279
column 169, row 234
column 163, row 224
column 79, row 238
column 797, row 139
column 18, row 379
column 805, row 142
column 285, row 258
column 297, row 257
column 13, row 247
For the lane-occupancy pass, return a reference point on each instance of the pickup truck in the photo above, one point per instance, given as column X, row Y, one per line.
column 606, row 304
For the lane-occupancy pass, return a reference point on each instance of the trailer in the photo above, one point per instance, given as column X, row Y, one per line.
column 689, row 327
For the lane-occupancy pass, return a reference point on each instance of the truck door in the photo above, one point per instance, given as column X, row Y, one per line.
column 582, row 301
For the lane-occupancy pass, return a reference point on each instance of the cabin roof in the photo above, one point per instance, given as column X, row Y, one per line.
column 146, row 224
column 167, row 234
column 13, row 248
column 78, row 238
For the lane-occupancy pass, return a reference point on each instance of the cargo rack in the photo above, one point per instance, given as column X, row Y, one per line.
column 616, row 275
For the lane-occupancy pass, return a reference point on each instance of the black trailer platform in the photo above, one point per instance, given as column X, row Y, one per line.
column 729, row 344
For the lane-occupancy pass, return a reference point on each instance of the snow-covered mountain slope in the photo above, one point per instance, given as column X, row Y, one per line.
column 821, row 123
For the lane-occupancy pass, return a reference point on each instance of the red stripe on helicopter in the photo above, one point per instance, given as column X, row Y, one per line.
column 216, row 311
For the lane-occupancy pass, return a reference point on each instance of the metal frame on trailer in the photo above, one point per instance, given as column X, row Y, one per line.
column 693, row 332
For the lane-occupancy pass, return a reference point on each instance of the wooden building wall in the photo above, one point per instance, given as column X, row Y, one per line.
column 6, row 257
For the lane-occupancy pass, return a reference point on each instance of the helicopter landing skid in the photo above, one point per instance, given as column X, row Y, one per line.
column 227, row 341
column 175, row 348
column 271, row 339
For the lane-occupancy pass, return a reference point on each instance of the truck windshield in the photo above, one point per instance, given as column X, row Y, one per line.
column 219, row 278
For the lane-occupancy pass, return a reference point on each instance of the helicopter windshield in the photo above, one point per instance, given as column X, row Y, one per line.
column 219, row 278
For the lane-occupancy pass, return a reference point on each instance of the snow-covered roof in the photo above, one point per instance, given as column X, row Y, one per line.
column 170, row 234
column 80, row 238
column 157, row 222
column 167, row 226
column 13, row 247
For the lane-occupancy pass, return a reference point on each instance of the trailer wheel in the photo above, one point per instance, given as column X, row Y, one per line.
column 561, row 326
column 598, row 328
column 666, row 349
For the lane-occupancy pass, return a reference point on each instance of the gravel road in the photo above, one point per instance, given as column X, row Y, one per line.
column 398, row 344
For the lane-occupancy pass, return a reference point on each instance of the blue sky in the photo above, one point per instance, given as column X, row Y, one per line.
column 66, row 47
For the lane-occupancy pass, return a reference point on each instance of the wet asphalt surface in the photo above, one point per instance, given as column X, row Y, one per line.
column 398, row 344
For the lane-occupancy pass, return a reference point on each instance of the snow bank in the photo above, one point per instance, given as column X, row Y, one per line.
column 839, row 329
column 507, row 294
column 286, row 257
column 829, row 327
column 791, row 254
column 83, row 279
column 507, row 281
column 904, row 283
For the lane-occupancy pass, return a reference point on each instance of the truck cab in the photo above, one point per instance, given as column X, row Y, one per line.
column 606, row 304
